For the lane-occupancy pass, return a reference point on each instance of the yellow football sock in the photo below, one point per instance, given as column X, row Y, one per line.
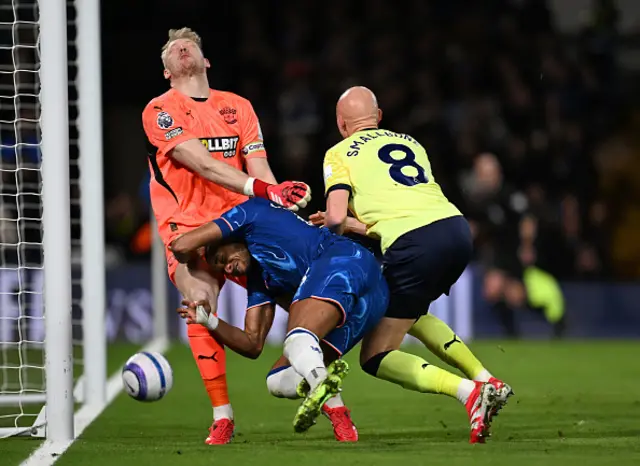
column 444, row 343
column 414, row 373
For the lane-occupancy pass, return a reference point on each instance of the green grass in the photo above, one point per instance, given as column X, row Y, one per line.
column 576, row 404
column 16, row 449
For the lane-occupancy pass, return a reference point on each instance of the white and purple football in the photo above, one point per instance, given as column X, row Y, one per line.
column 147, row 376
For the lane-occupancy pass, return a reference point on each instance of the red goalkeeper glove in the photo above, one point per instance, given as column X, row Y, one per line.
column 292, row 195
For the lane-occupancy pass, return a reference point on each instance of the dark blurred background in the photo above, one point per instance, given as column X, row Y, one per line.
column 519, row 117
column 528, row 110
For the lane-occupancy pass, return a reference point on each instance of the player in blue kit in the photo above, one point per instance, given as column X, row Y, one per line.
column 339, row 295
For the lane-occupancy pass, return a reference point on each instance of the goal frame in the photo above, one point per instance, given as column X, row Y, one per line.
column 56, row 418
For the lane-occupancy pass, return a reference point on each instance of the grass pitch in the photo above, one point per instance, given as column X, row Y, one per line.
column 576, row 403
column 30, row 364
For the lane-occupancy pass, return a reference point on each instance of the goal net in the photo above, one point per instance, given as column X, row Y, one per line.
column 23, row 382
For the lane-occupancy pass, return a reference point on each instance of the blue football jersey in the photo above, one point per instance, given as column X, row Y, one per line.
column 282, row 243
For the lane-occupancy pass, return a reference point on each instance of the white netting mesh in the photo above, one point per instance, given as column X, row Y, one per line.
column 21, row 279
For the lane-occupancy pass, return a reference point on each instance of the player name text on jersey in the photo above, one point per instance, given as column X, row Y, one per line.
column 362, row 140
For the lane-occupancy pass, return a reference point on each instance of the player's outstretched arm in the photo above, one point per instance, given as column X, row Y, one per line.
column 351, row 225
column 185, row 246
column 192, row 154
column 259, row 168
column 248, row 342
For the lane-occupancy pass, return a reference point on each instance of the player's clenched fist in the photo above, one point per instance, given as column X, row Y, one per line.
column 189, row 246
column 292, row 195
column 183, row 249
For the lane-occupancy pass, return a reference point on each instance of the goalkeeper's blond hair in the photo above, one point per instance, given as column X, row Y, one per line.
column 182, row 33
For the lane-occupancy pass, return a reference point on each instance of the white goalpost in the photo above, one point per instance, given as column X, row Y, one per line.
column 52, row 268
column 54, row 119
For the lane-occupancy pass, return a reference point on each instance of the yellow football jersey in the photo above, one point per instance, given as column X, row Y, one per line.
column 389, row 176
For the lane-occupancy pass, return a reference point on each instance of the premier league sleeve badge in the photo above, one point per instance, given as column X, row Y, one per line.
column 164, row 120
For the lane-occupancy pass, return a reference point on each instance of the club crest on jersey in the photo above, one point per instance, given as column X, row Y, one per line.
column 225, row 145
column 228, row 115
column 164, row 120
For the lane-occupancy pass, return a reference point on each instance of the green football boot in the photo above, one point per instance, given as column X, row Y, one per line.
column 312, row 405
column 338, row 367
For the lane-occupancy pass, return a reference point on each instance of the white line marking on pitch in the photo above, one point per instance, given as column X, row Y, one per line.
column 49, row 452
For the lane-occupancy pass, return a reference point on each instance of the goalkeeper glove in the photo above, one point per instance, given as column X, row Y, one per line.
column 292, row 195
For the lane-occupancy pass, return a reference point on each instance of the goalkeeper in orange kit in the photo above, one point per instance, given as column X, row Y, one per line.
column 200, row 140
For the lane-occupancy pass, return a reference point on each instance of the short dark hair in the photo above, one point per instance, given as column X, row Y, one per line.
column 211, row 248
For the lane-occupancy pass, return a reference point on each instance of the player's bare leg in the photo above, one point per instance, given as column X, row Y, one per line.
column 380, row 357
column 209, row 354
column 309, row 321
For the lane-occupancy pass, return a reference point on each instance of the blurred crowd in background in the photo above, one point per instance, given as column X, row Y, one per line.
column 515, row 116
column 531, row 133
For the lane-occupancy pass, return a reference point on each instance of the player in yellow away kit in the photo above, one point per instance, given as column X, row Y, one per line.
column 385, row 179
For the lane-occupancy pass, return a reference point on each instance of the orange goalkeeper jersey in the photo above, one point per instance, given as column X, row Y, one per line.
column 227, row 126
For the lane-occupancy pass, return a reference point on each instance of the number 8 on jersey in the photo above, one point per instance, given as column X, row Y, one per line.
column 390, row 180
column 409, row 160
